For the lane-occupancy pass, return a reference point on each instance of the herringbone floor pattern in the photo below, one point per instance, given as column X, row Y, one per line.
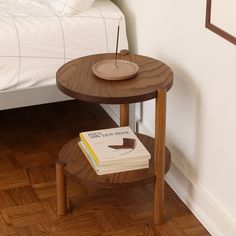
column 30, row 139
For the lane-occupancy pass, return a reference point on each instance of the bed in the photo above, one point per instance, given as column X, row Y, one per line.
column 35, row 41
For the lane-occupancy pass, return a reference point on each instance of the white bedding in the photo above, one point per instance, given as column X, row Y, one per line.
column 35, row 42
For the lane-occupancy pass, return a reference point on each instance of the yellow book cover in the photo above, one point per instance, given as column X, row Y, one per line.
column 93, row 154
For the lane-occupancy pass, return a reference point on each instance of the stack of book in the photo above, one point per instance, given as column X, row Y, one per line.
column 114, row 150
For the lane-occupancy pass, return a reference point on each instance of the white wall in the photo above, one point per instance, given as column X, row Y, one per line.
column 201, row 126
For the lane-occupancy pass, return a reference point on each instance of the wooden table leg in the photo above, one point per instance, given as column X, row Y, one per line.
column 124, row 115
column 61, row 189
column 159, row 161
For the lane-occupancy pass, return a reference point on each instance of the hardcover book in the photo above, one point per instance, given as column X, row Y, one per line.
column 117, row 145
column 102, row 170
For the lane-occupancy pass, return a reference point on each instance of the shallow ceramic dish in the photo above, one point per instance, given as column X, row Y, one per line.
column 107, row 70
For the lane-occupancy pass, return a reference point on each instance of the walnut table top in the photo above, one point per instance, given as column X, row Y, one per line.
column 77, row 80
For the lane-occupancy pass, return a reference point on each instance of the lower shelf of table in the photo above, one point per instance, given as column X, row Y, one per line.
column 78, row 168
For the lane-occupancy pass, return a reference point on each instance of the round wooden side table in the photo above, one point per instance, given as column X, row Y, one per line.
column 154, row 79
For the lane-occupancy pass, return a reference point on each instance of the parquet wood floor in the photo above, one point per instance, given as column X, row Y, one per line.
column 30, row 139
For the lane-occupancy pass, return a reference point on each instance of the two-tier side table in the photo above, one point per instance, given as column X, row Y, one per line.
column 154, row 79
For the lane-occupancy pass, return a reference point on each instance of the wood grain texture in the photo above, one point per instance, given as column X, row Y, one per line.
column 124, row 115
column 160, row 156
column 61, row 189
column 78, row 168
column 28, row 201
column 77, row 80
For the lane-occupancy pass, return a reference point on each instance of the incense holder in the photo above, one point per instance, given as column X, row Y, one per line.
column 115, row 70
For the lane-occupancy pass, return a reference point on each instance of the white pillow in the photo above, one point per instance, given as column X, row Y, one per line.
column 70, row 7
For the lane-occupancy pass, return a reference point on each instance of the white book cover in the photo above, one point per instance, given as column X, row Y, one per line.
column 111, row 145
column 110, row 169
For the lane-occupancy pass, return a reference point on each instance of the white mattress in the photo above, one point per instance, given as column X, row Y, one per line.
column 35, row 42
